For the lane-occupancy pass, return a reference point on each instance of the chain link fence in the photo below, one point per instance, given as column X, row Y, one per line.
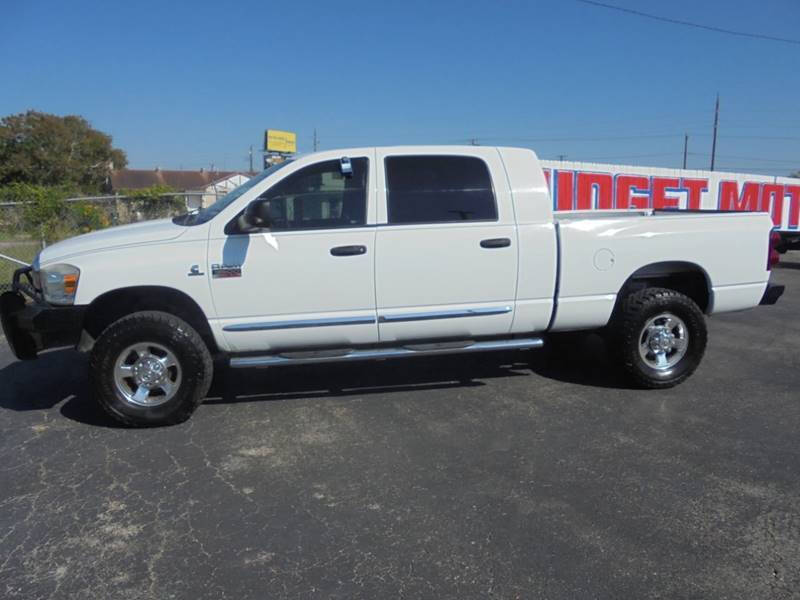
column 26, row 228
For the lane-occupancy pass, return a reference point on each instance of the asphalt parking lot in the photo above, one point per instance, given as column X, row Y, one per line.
column 509, row 475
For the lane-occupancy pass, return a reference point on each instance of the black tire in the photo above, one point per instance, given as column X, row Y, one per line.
column 167, row 331
column 627, row 331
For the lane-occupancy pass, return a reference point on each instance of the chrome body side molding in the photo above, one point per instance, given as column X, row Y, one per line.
column 445, row 314
column 300, row 323
column 420, row 316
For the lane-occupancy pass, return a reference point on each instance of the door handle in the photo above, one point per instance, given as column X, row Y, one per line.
column 496, row 243
column 348, row 250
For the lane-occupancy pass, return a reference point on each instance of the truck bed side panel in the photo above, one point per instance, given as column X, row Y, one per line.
column 599, row 255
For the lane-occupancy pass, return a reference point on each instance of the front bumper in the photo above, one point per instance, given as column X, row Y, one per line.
column 31, row 327
column 772, row 293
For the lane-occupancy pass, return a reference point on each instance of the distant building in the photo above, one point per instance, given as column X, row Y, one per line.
column 202, row 187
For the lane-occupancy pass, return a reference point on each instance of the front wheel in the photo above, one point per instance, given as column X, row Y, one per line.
column 660, row 336
column 150, row 368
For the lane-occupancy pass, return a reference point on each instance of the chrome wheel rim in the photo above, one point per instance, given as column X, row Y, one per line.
column 663, row 341
column 147, row 374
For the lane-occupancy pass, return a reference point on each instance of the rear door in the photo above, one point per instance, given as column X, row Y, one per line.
column 446, row 247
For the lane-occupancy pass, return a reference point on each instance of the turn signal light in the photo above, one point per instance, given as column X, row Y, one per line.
column 70, row 284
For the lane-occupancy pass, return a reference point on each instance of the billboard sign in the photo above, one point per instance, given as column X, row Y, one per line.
column 284, row 142
column 588, row 186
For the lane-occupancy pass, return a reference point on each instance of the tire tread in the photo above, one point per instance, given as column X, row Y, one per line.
column 626, row 328
column 176, row 326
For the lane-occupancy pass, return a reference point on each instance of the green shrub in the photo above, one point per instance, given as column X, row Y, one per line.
column 152, row 202
column 42, row 213
column 87, row 217
column 41, row 209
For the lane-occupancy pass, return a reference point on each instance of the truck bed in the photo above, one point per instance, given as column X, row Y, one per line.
column 601, row 250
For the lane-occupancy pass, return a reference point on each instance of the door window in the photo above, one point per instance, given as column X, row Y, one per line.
column 319, row 197
column 438, row 189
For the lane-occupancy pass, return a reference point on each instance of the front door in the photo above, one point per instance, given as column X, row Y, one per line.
column 446, row 249
column 309, row 281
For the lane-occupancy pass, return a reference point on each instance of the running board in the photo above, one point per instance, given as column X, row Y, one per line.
column 275, row 360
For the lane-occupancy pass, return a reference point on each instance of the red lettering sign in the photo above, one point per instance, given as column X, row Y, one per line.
column 772, row 198
column 729, row 198
column 587, row 190
column 793, row 193
column 695, row 187
column 625, row 187
column 660, row 198
column 587, row 182
column 565, row 182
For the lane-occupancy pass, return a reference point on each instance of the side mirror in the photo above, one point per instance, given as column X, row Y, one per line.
column 255, row 217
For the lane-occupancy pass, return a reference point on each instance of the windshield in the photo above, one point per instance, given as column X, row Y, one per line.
column 209, row 212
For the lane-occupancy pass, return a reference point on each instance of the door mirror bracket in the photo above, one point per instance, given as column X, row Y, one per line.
column 346, row 167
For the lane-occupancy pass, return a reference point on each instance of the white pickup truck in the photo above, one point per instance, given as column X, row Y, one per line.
column 375, row 253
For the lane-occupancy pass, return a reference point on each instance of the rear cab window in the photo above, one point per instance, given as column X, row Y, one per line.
column 438, row 189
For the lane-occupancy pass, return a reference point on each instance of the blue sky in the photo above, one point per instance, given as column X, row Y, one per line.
column 188, row 85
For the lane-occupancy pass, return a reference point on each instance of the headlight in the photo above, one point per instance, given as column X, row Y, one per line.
column 59, row 283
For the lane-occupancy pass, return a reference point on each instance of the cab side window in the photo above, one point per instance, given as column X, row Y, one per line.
column 438, row 189
column 319, row 197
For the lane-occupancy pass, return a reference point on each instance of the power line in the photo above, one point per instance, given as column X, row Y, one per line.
column 730, row 156
column 599, row 137
column 639, row 13
column 757, row 137
column 753, row 168
column 627, row 137
column 615, row 156
column 584, row 139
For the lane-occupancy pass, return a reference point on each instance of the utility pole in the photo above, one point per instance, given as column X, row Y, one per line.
column 473, row 141
column 251, row 159
column 561, row 157
column 714, row 142
column 685, row 147
column 316, row 141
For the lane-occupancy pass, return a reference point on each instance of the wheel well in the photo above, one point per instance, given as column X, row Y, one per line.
column 114, row 305
column 684, row 277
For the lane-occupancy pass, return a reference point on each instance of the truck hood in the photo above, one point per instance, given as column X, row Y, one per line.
column 147, row 232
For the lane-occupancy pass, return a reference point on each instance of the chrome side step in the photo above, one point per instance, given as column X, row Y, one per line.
column 275, row 360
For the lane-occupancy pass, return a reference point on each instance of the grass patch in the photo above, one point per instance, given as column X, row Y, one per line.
column 21, row 251
column 15, row 236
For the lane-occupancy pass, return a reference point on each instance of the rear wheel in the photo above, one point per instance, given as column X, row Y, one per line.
column 150, row 368
column 659, row 336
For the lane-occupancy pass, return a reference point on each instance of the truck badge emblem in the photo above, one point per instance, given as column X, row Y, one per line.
column 226, row 271
column 195, row 271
